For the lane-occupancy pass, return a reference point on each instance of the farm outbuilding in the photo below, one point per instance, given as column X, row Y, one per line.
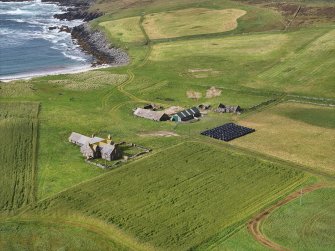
column 110, row 152
column 81, row 140
column 153, row 107
column 96, row 147
column 228, row 109
column 152, row 115
column 205, row 106
column 90, row 151
column 186, row 115
column 173, row 110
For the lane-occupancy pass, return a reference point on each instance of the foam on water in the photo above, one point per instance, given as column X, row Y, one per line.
column 28, row 45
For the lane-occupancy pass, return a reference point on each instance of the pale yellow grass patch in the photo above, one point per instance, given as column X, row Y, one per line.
column 159, row 134
column 193, row 94
column 290, row 139
column 323, row 43
column 126, row 29
column 89, row 80
column 201, row 73
column 191, row 22
column 213, row 92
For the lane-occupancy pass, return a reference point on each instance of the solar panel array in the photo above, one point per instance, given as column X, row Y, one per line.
column 228, row 132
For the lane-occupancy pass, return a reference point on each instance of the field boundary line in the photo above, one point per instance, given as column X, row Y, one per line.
column 254, row 226
column 264, row 156
column 293, row 18
column 309, row 103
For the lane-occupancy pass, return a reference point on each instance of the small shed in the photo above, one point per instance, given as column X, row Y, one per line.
column 186, row 115
column 111, row 152
column 205, row 106
column 228, row 108
column 152, row 115
column 153, row 107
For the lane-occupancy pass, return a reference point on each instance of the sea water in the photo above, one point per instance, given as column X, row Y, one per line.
column 28, row 47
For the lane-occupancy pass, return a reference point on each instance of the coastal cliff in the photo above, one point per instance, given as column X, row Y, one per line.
column 95, row 43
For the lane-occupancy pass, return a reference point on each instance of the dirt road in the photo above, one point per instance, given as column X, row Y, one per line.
column 255, row 223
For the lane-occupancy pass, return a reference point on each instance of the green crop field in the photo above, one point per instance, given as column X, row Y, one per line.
column 53, row 236
column 306, row 226
column 178, row 193
column 18, row 134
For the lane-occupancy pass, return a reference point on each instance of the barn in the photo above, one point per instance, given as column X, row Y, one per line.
column 152, row 115
column 81, row 140
column 186, row 115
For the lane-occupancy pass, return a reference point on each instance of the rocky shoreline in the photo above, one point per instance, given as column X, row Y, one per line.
column 93, row 42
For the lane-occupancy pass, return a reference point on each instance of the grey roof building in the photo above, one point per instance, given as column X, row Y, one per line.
column 81, row 140
column 152, row 115
column 110, row 152
column 187, row 114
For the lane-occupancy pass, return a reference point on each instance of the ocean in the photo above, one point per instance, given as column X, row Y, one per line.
column 27, row 46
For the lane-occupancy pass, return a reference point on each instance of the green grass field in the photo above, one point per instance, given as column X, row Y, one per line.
column 309, row 226
column 191, row 191
column 18, row 133
column 240, row 241
column 169, row 197
column 191, row 22
column 126, row 30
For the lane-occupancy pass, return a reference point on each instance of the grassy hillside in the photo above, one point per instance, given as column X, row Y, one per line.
column 308, row 226
column 126, row 30
column 178, row 193
column 18, row 133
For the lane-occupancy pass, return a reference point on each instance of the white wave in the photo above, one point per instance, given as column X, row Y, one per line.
column 18, row 20
column 18, row 11
column 73, row 57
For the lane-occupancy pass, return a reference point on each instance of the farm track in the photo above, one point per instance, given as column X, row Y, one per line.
column 117, row 236
column 121, row 87
column 254, row 226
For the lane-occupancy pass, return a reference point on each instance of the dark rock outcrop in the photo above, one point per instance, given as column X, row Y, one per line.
column 77, row 3
column 95, row 43
column 65, row 28
column 79, row 13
